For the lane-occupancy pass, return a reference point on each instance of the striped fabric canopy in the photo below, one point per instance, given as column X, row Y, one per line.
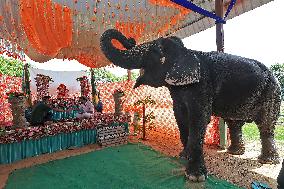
column 71, row 29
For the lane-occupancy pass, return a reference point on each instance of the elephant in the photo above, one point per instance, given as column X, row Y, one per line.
column 202, row 84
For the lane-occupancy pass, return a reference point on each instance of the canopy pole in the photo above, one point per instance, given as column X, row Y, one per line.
column 219, row 9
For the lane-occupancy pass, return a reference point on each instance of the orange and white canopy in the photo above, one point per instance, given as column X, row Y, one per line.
column 71, row 29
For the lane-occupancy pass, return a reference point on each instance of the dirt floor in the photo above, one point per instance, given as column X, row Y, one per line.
column 240, row 170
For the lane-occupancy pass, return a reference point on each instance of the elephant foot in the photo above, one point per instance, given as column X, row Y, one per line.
column 183, row 154
column 195, row 178
column 236, row 149
column 196, row 173
column 269, row 158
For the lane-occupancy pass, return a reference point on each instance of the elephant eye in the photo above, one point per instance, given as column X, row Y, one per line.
column 163, row 59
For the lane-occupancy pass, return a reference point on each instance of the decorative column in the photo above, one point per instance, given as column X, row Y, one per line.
column 18, row 106
column 85, row 86
column 117, row 95
column 42, row 85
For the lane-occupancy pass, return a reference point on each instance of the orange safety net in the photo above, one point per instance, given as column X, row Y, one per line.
column 164, row 121
column 48, row 25
column 163, row 108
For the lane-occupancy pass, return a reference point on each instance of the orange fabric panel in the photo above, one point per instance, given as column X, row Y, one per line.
column 48, row 26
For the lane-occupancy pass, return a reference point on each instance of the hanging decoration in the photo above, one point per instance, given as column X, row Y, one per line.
column 42, row 84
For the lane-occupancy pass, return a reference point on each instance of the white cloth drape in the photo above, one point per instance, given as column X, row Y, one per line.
column 67, row 78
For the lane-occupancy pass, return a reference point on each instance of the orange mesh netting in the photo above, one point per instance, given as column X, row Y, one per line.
column 164, row 117
column 164, row 122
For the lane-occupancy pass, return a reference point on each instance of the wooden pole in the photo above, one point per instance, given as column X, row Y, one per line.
column 128, row 75
column 26, row 84
column 144, row 123
column 93, row 85
column 219, row 9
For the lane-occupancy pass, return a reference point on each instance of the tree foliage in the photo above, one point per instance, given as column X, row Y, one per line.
column 102, row 75
column 278, row 71
column 11, row 67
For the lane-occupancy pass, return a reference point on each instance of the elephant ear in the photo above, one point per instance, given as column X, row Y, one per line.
column 185, row 71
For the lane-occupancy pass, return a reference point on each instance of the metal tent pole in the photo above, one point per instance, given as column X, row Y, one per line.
column 219, row 9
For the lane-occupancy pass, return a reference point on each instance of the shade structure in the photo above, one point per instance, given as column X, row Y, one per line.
column 71, row 29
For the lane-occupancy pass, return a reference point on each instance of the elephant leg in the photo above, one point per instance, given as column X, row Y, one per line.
column 237, row 146
column 196, row 170
column 266, row 125
column 182, row 122
column 268, row 152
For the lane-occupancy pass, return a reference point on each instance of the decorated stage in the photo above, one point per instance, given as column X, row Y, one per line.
column 21, row 143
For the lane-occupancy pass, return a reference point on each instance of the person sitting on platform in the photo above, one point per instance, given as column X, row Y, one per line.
column 41, row 112
column 86, row 108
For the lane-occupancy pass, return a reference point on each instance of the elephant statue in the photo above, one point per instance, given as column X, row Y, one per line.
column 202, row 84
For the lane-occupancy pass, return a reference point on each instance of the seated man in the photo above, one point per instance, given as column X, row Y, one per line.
column 99, row 107
column 41, row 112
column 86, row 108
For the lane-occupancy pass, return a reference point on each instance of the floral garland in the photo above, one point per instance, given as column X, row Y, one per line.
column 62, row 91
column 15, row 94
column 42, row 84
column 33, row 133
column 85, row 86
column 64, row 103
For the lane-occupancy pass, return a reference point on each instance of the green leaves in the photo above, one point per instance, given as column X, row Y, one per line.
column 104, row 76
column 11, row 67
column 278, row 71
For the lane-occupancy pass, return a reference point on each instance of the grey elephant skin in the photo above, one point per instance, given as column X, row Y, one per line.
column 202, row 84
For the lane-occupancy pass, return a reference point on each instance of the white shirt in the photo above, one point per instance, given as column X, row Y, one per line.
column 88, row 107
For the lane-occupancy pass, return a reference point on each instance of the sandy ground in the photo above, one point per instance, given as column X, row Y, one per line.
column 240, row 170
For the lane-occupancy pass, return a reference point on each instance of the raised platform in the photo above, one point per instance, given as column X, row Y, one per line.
column 21, row 143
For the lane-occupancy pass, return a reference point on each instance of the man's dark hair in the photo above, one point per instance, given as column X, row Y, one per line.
column 83, row 98
column 45, row 98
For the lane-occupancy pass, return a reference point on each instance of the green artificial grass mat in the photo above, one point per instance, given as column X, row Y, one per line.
column 131, row 166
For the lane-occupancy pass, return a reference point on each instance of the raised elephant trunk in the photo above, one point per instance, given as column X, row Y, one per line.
column 128, row 59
